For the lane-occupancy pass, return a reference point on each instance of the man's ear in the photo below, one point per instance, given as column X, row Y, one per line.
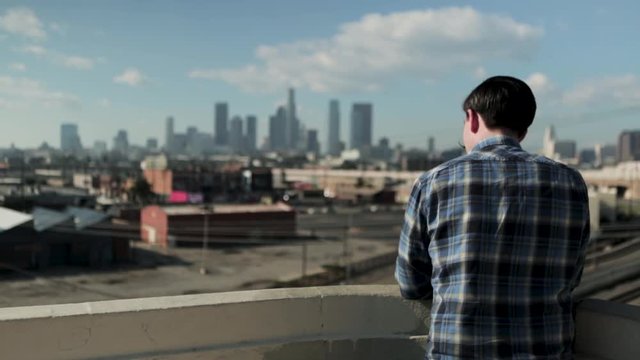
column 474, row 119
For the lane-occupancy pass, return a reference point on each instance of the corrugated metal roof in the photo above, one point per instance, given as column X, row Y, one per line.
column 11, row 218
column 84, row 218
column 44, row 219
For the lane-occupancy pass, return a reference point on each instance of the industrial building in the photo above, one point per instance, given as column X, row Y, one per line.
column 76, row 237
column 228, row 224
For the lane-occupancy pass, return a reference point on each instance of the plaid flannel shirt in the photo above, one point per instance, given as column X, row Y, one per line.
column 497, row 237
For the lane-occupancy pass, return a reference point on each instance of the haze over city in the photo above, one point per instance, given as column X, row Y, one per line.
column 107, row 66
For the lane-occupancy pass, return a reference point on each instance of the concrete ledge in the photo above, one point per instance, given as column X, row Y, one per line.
column 341, row 322
column 237, row 325
column 607, row 330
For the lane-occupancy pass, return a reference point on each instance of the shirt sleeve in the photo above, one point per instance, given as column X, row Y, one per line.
column 413, row 264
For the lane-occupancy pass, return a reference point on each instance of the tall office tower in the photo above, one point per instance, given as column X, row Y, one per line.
column 179, row 144
column 431, row 145
column 168, row 133
column 278, row 130
column 236, row 136
column 564, row 149
column 191, row 139
column 192, row 133
column 293, row 131
column 629, row 146
column 251, row 133
column 152, row 144
column 312, row 141
column 221, row 136
column 121, row 142
column 606, row 154
column 361, row 124
column 548, row 142
column 333, row 142
column 69, row 138
column 383, row 150
column 587, row 157
column 99, row 149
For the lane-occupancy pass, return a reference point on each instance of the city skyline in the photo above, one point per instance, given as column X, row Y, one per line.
column 111, row 66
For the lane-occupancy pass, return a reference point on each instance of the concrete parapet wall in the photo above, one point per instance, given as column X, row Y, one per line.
column 311, row 323
column 342, row 322
column 607, row 330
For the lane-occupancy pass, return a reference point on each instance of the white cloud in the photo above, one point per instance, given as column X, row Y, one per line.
column 6, row 104
column 58, row 28
column 18, row 67
column 366, row 54
column 480, row 73
column 105, row 103
column 22, row 21
column 28, row 91
column 618, row 89
column 70, row 61
column 34, row 50
column 77, row 62
column 131, row 77
column 540, row 84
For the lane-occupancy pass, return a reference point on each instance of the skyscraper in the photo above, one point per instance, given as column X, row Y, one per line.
column 548, row 142
column 333, row 142
column 168, row 133
column 292, row 125
column 121, row 142
column 361, row 124
column 99, row 149
column 236, row 136
column 278, row 130
column 152, row 144
column 191, row 140
column 431, row 145
column 313, row 145
column 221, row 136
column 251, row 133
column 629, row 146
column 69, row 138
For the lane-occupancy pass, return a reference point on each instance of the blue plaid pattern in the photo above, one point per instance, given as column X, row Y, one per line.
column 497, row 238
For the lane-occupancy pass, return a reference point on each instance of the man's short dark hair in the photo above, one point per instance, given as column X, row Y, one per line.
column 503, row 102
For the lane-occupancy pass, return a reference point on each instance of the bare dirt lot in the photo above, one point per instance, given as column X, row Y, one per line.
column 161, row 272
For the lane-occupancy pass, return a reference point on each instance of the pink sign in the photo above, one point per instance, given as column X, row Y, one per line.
column 179, row 197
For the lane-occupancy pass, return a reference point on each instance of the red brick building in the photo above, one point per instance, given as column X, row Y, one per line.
column 161, row 181
column 227, row 224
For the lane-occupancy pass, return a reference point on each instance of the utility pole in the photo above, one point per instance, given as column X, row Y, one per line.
column 304, row 259
column 345, row 249
column 22, row 183
column 205, row 240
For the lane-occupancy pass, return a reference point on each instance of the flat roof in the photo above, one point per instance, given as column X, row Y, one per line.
column 225, row 209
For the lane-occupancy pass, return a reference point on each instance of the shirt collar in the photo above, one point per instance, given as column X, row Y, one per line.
column 496, row 140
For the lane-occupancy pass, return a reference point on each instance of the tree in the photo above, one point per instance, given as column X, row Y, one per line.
column 141, row 192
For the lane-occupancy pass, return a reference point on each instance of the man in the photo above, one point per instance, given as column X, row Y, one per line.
column 496, row 238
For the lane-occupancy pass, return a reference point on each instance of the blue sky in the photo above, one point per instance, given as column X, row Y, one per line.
column 107, row 65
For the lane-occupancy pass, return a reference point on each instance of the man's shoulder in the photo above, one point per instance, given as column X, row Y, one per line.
column 445, row 170
column 441, row 170
column 560, row 167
